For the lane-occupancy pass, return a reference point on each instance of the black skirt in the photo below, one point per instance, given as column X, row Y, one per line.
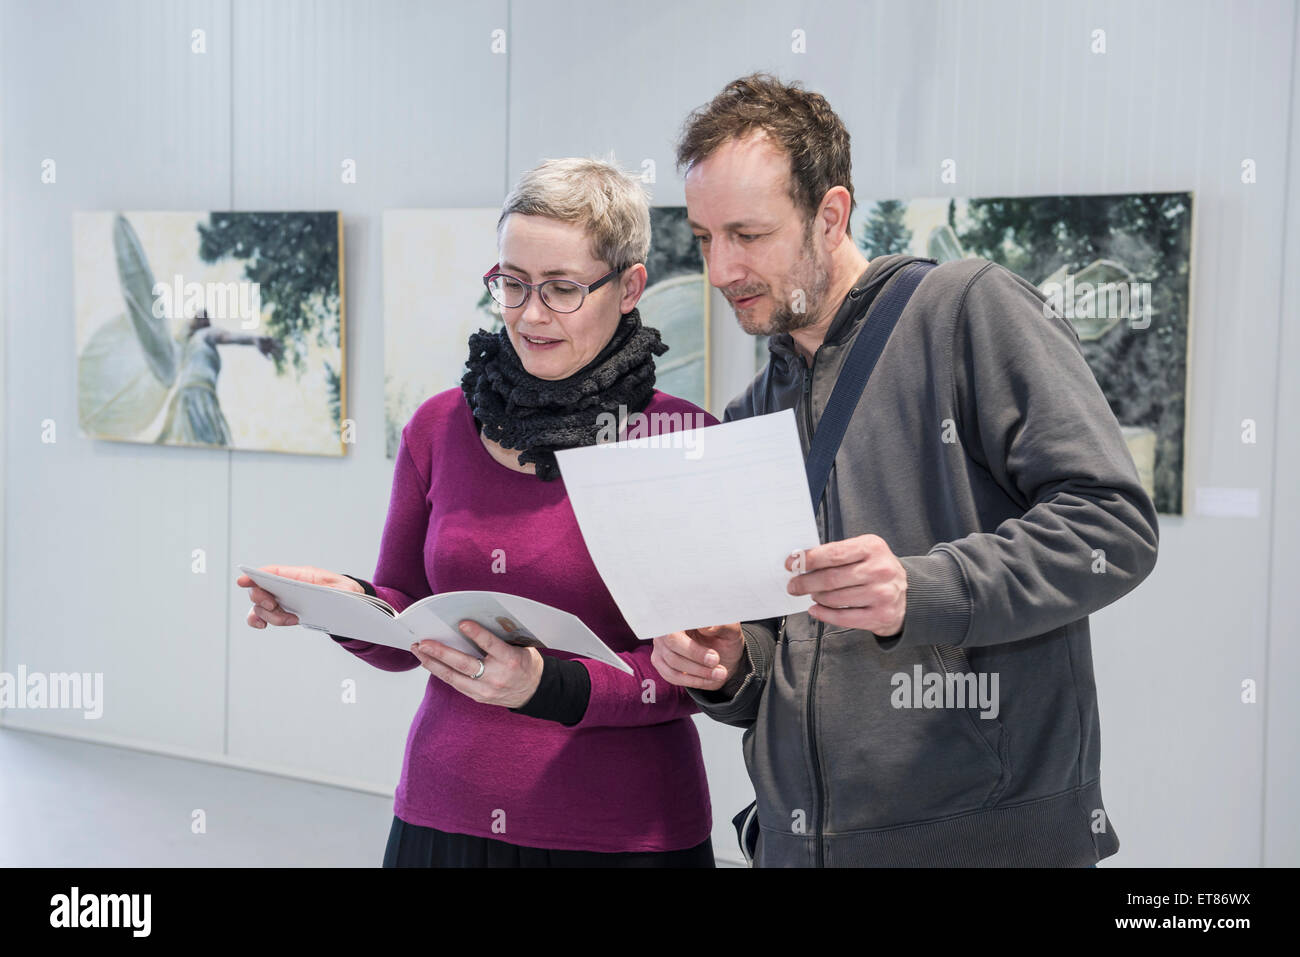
column 412, row 845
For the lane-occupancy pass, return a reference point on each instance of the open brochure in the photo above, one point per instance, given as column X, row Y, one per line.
column 520, row 621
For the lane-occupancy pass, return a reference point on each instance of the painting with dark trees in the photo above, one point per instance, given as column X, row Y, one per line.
column 676, row 302
column 218, row 330
column 1117, row 266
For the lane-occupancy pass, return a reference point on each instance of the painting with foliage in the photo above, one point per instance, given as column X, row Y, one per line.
column 217, row 330
column 1071, row 248
column 676, row 302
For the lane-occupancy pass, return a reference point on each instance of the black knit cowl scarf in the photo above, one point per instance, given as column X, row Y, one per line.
column 539, row 416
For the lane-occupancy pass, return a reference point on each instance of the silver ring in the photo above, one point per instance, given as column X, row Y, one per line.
column 481, row 669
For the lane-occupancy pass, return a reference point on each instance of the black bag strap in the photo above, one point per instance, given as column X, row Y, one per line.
column 879, row 324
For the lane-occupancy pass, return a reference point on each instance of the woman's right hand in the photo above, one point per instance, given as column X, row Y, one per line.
column 266, row 610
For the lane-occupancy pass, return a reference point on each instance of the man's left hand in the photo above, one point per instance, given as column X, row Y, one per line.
column 856, row 583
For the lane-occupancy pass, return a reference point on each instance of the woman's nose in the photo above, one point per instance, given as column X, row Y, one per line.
column 534, row 311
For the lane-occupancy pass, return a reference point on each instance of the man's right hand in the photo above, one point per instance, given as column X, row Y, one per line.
column 701, row 658
column 267, row 611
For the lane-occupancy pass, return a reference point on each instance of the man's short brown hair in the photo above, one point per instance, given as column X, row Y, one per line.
column 800, row 122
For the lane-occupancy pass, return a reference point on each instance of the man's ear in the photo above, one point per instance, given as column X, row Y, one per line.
column 833, row 217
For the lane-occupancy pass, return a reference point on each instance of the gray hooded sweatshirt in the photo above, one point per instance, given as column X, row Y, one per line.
column 984, row 454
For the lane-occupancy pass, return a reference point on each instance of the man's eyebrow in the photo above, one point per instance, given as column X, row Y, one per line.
column 505, row 264
column 733, row 225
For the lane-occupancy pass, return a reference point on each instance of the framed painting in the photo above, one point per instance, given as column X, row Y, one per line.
column 1117, row 266
column 213, row 330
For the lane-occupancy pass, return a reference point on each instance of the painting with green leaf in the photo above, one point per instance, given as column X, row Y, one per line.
column 1116, row 266
column 215, row 330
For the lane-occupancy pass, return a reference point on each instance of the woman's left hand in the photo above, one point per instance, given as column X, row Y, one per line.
column 510, row 673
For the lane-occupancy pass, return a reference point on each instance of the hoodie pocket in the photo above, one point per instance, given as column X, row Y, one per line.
column 987, row 730
column 893, row 752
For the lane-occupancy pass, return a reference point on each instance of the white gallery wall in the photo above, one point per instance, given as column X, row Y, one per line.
column 99, row 536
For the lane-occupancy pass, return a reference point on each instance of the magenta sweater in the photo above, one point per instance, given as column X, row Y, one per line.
column 629, row 776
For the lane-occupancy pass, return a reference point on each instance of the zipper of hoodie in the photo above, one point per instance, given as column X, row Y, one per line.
column 817, row 648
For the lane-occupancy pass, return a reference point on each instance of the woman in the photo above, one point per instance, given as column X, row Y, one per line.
column 529, row 758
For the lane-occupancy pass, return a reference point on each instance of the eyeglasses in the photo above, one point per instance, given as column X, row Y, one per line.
column 559, row 295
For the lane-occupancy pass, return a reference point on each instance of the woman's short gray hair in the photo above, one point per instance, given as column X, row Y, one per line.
column 608, row 203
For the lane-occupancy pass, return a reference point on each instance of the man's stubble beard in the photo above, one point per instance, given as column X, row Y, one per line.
column 807, row 275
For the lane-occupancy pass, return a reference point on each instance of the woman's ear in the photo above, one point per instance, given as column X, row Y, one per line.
column 631, row 285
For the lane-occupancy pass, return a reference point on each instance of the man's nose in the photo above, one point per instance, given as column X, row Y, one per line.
column 725, row 263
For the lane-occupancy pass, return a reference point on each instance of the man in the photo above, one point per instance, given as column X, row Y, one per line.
column 936, row 704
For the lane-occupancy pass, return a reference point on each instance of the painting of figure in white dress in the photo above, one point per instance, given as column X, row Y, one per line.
column 211, row 330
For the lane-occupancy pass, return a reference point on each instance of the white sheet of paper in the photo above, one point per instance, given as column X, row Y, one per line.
column 696, row 531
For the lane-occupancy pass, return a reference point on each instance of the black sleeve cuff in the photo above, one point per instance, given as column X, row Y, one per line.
column 369, row 590
column 562, row 694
